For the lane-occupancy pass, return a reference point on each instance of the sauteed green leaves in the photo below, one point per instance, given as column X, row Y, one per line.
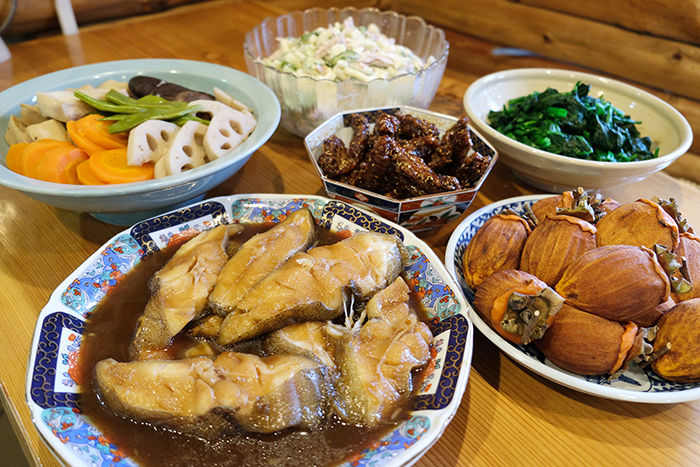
column 573, row 124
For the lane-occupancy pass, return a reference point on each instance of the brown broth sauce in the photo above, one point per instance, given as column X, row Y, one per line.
column 108, row 333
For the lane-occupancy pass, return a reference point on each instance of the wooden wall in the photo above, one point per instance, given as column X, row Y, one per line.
column 37, row 16
column 653, row 43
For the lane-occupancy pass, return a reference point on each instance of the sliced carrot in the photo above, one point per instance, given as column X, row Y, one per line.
column 35, row 151
column 111, row 166
column 85, row 175
column 13, row 159
column 57, row 164
column 79, row 139
column 69, row 174
column 97, row 131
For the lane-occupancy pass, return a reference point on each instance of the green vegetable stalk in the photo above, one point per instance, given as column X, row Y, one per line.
column 129, row 113
column 573, row 124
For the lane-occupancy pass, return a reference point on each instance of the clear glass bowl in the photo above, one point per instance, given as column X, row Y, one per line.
column 307, row 102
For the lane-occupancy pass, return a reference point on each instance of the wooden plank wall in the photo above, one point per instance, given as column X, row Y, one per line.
column 652, row 43
column 37, row 16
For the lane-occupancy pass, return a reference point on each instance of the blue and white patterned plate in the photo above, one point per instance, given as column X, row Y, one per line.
column 53, row 394
column 636, row 384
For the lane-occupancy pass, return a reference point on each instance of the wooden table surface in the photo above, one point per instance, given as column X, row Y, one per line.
column 508, row 414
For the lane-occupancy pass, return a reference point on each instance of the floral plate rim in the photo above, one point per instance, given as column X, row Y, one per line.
column 546, row 369
column 430, row 417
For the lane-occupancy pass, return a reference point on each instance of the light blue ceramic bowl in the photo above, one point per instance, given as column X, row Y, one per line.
column 127, row 203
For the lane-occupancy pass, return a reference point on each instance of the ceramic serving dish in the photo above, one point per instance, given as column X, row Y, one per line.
column 127, row 203
column 307, row 101
column 416, row 214
column 636, row 384
column 555, row 173
column 53, row 395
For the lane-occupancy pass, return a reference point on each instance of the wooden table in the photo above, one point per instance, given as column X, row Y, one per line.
column 508, row 414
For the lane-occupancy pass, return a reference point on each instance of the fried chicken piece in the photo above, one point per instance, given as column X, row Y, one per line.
column 411, row 127
column 419, row 178
column 386, row 124
column 424, row 147
column 334, row 159
column 454, row 146
column 455, row 155
column 379, row 159
column 360, row 137
column 471, row 168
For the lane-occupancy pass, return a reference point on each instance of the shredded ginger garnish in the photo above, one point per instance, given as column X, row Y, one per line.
column 344, row 51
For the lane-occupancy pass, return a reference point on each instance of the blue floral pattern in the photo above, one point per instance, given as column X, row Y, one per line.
column 82, row 439
column 394, row 444
column 635, row 378
column 53, row 394
column 116, row 259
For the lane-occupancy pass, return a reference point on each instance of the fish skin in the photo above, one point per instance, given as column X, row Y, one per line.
column 315, row 285
column 259, row 256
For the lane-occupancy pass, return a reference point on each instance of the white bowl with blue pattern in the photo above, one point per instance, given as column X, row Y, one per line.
column 635, row 384
column 53, row 394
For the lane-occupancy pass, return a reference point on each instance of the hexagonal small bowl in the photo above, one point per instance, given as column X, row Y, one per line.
column 418, row 213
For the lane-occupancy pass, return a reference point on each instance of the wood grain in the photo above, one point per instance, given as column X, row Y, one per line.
column 558, row 30
column 661, row 63
column 508, row 415
column 672, row 19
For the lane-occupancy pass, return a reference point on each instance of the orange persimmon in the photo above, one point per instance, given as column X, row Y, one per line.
column 500, row 306
column 111, row 166
column 626, row 342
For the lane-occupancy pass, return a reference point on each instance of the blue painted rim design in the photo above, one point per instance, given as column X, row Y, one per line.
column 44, row 370
column 143, row 230
column 427, row 276
column 635, row 384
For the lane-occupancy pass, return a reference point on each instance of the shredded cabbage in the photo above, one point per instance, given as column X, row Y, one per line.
column 343, row 51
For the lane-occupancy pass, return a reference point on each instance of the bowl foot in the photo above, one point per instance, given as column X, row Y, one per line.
column 550, row 187
column 131, row 218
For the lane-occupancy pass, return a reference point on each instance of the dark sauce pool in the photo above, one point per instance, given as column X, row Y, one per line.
column 108, row 332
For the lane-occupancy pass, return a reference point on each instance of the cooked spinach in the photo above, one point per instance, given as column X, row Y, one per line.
column 573, row 124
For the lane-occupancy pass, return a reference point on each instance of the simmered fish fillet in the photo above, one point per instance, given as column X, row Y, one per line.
column 314, row 285
column 207, row 327
column 307, row 339
column 259, row 256
column 376, row 360
column 179, row 291
column 193, row 395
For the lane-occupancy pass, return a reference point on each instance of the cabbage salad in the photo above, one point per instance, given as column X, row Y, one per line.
column 344, row 51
